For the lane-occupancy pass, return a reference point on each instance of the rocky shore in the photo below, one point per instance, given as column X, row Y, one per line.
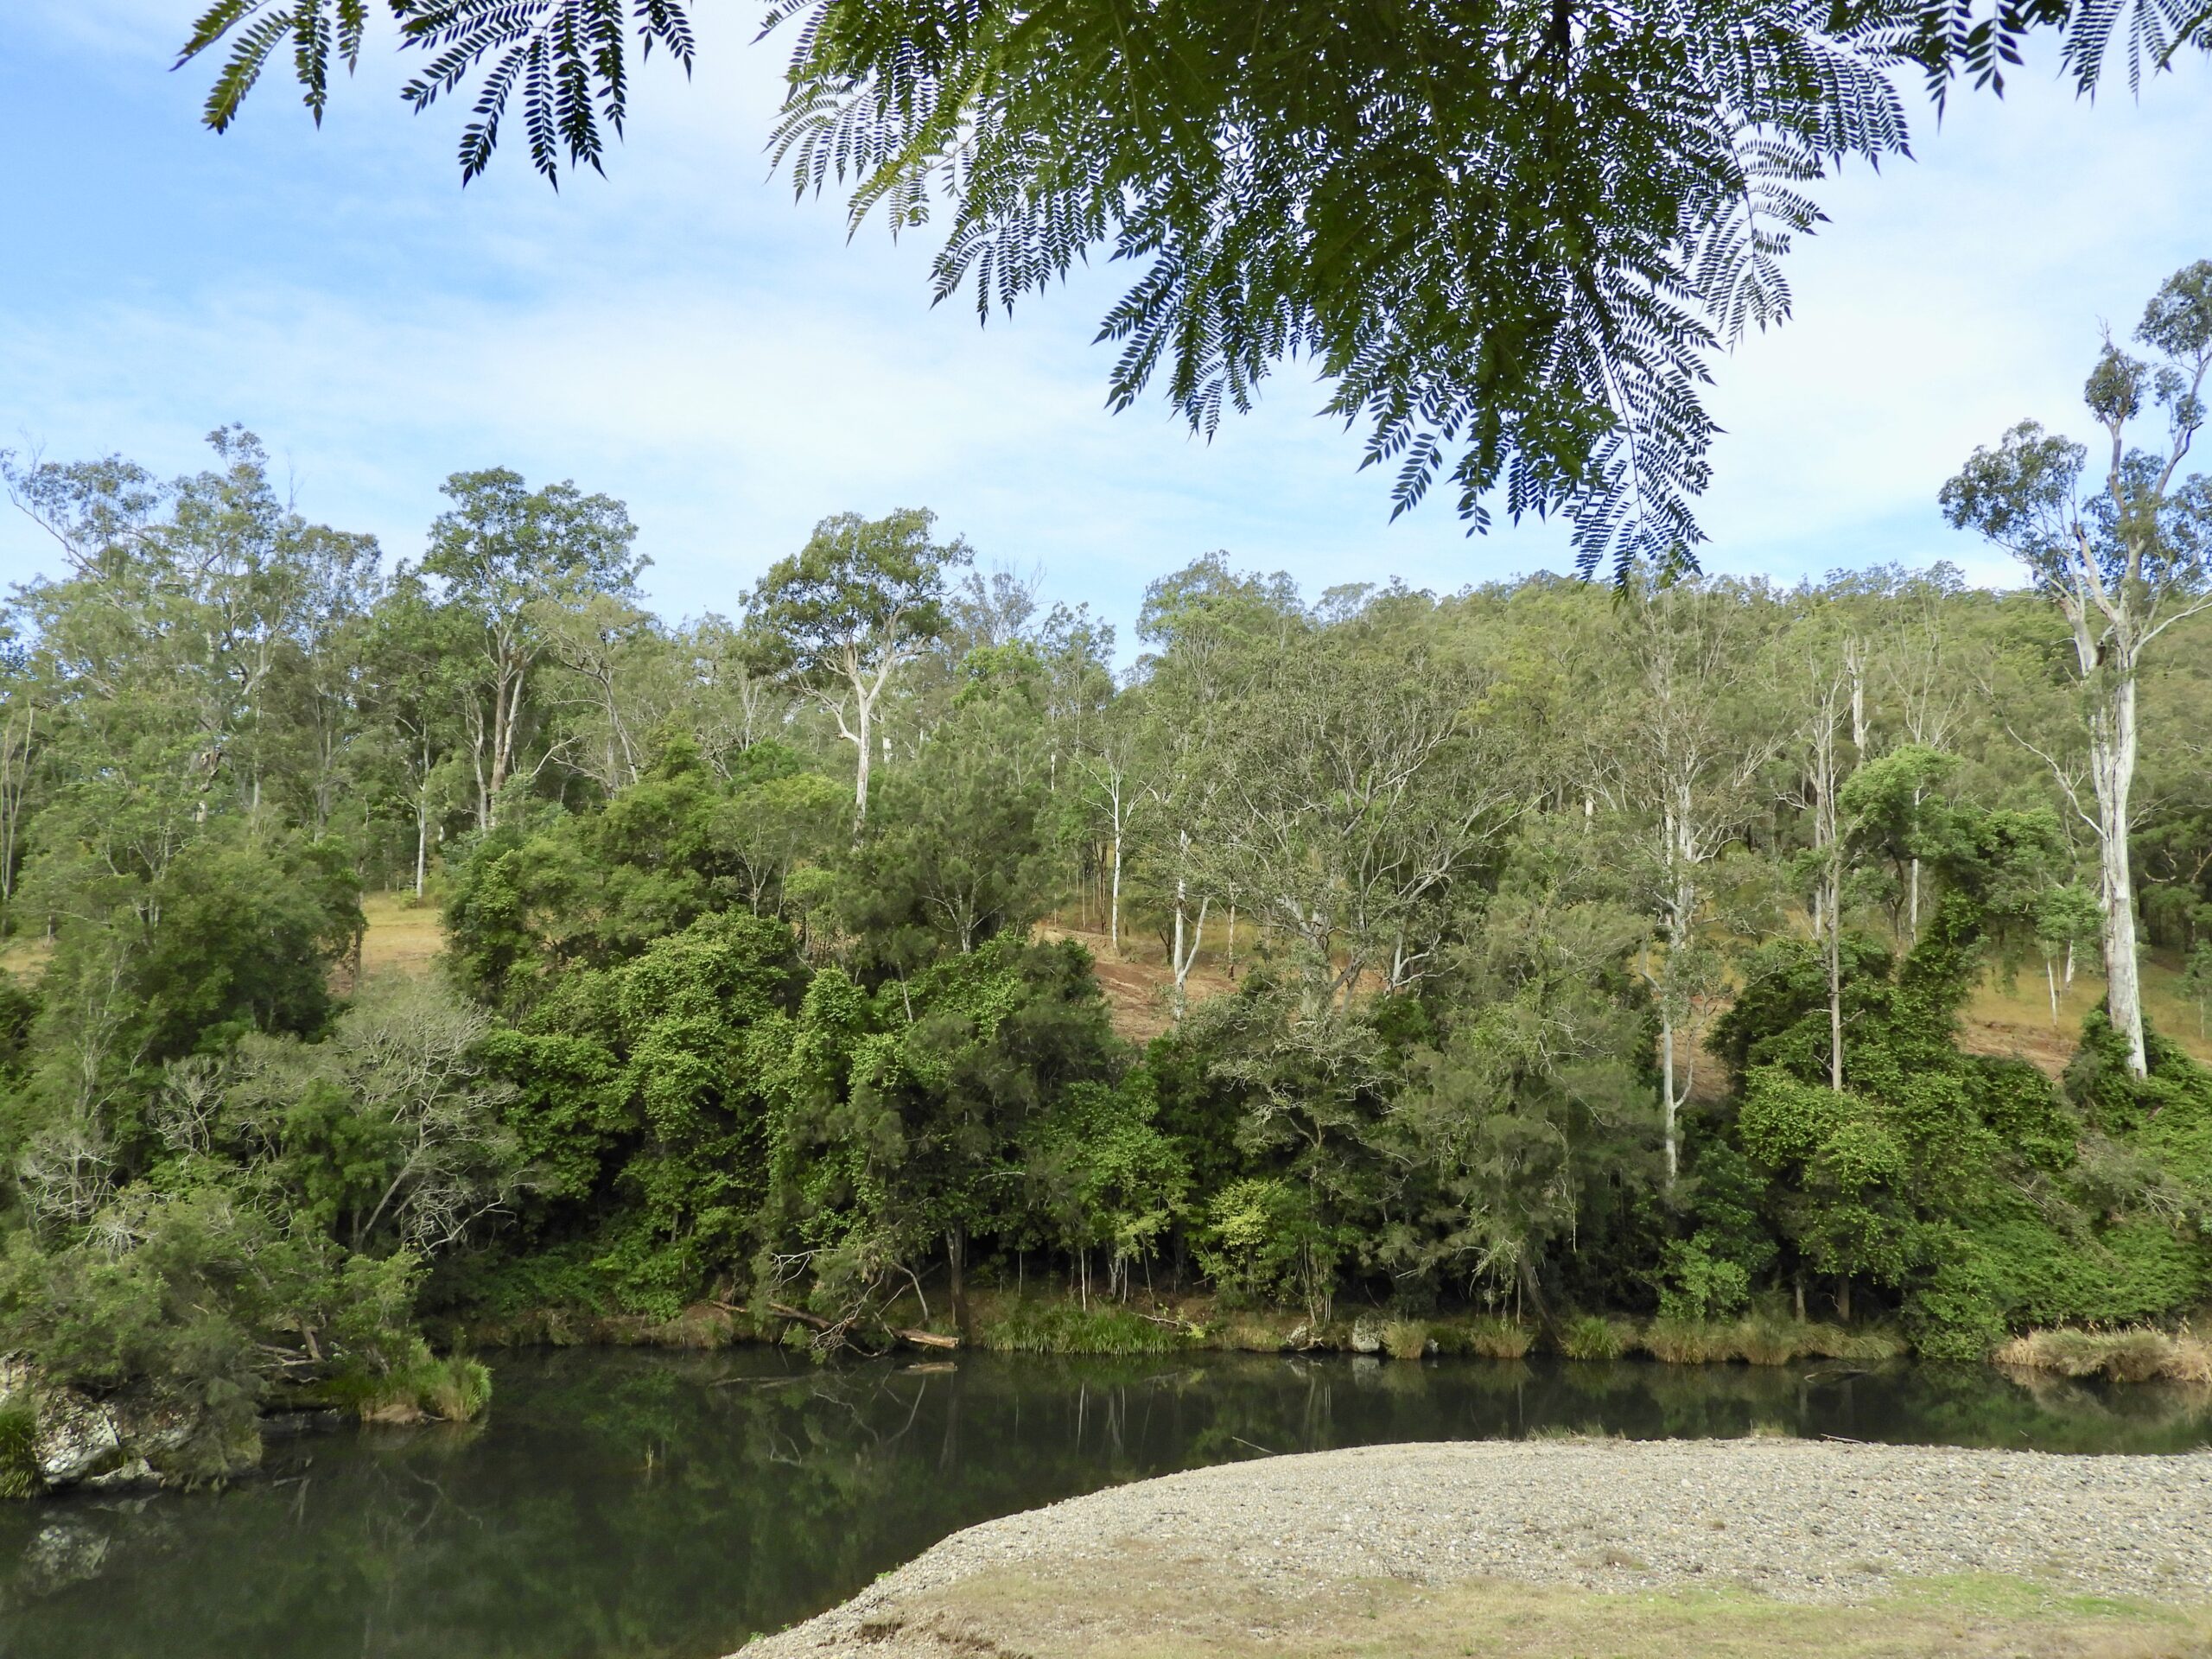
column 1794, row 1522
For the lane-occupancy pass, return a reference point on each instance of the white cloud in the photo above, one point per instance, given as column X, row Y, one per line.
column 686, row 338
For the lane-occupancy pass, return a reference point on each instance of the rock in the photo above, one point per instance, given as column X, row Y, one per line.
column 67, row 1436
column 66, row 1553
column 1366, row 1335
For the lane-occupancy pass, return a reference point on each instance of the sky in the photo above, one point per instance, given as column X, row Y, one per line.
column 685, row 336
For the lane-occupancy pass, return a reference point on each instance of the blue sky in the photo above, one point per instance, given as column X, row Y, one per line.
column 683, row 336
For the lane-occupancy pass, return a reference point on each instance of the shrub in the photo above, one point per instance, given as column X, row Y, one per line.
column 1405, row 1338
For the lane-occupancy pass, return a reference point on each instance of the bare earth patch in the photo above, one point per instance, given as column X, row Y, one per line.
column 1537, row 1549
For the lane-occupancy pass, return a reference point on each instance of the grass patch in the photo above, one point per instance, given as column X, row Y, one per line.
column 1147, row 1603
column 1405, row 1338
column 1592, row 1335
column 19, row 1476
column 1242, row 1333
column 2137, row 1355
column 1068, row 1328
column 454, row 1389
column 1485, row 1337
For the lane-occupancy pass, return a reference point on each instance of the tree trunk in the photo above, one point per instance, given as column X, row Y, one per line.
column 861, row 770
column 955, row 1256
column 2111, row 763
column 1113, row 901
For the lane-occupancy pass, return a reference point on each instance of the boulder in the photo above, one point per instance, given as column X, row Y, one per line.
column 54, row 1436
column 1366, row 1335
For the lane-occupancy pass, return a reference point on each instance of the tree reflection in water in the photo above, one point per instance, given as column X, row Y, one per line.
column 645, row 1504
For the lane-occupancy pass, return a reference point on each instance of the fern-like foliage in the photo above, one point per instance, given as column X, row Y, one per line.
column 567, row 60
column 1509, row 235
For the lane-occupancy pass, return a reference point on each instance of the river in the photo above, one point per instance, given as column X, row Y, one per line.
column 630, row 1504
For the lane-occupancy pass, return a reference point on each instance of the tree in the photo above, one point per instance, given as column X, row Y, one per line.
column 1513, row 233
column 853, row 606
column 2123, row 563
column 503, row 555
column 1689, row 766
column 1354, row 789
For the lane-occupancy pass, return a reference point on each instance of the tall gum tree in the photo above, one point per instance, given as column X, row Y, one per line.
column 1688, row 768
column 2123, row 559
column 504, row 557
column 858, row 602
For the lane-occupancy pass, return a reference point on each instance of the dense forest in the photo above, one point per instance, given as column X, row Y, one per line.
column 1547, row 952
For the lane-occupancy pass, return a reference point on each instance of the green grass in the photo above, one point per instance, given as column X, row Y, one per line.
column 1058, row 1327
column 19, row 1476
column 1144, row 1606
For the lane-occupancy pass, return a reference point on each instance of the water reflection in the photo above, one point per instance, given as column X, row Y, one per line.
column 638, row 1504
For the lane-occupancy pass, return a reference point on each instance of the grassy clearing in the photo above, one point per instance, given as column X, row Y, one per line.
column 1147, row 1605
column 403, row 937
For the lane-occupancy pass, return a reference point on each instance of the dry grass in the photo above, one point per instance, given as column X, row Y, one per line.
column 1145, row 1604
column 1405, row 1338
column 404, row 938
column 2136, row 1355
column 2015, row 1024
column 1486, row 1337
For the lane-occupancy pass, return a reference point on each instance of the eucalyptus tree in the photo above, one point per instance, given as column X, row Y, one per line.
column 2124, row 557
column 416, row 670
column 1108, row 768
column 861, row 600
column 1694, row 739
column 1212, row 629
column 1916, row 657
column 1354, row 788
column 1826, row 681
column 1512, row 236
column 506, row 557
column 161, row 647
column 620, row 681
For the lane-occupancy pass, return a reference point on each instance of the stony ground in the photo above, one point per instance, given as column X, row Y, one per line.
column 1795, row 1522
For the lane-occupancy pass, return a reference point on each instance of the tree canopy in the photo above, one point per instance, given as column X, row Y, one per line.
column 1509, row 237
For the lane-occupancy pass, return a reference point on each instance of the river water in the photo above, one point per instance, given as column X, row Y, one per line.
column 624, row 1504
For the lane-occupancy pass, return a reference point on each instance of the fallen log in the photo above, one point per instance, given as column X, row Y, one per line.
column 926, row 1340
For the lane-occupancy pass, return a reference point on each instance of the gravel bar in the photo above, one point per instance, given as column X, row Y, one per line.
column 1806, row 1520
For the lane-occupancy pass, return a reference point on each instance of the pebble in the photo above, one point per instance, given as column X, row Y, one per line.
column 1804, row 1520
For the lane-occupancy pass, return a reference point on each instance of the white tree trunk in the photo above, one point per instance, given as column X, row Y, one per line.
column 2112, row 765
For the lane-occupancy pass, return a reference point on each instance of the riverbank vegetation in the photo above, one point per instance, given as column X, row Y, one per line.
column 1544, row 963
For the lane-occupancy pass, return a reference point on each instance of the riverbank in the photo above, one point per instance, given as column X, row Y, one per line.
column 1745, row 1547
column 1003, row 1322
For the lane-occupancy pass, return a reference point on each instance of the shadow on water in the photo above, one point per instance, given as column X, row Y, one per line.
column 639, row 1505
